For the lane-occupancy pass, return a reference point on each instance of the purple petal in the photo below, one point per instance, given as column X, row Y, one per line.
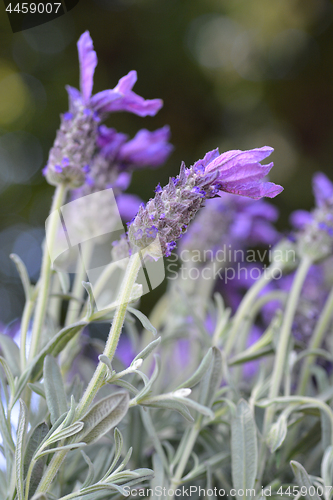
column 128, row 205
column 110, row 141
column 322, row 188
column 122, row 98
column 209, row 157
column 74, row 95
column 88, row 63
column 147, row 148
column 127, row 82
column 241, row 173
column 123, row 181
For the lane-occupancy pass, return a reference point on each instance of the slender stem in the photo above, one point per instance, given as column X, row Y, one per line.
column 39, row 317
column 98, row 378
column 175, row 481
column 111, row 345
column 104, row 278
column 78, row 289
column 73, row 347
column 316, row 340
column 282, row 351
column 28, row 308
column 51, row 471
column 55, row 300
column 247, row 303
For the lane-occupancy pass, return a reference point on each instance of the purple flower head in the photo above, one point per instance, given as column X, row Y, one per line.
column 146, row 148
column 237, row 172
column 240, row 172
column 76, row 139
column 314, row 230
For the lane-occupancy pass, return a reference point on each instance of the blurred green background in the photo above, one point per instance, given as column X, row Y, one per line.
column 233, row 74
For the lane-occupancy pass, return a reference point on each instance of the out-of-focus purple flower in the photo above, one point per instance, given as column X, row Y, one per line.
column 174, row 206
column 315, row 229
column 128, row 205
column 322, row 190
column 125, row 352
column 146, row 149
column 231, row 221
column 75, row 144
column 251, row 368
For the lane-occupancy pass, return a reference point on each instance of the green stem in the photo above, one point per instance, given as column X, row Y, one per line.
column 176, row 480
column 78, row 289
column 51, row 471
column 247, row 303
column 111, row 345
column 315, row 343
column 46, row 270
column 97, row 380
column 73, row 347
column 28, row 308
column 282, row 350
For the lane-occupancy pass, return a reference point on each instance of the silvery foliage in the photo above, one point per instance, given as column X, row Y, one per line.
column 145, row 420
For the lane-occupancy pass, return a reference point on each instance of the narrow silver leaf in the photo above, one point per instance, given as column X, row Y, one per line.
column 244, row 454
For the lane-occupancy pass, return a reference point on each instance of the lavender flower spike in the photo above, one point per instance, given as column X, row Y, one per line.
column 174, row 206
column 75, row 143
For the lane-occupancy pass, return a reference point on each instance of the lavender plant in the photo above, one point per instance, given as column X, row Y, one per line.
column 173, row 415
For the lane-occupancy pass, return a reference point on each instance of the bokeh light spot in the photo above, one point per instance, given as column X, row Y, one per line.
column 14, row 97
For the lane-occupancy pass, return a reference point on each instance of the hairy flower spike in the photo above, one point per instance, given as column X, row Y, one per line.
column 174, row 206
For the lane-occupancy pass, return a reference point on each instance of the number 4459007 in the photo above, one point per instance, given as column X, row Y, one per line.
column 33, row 8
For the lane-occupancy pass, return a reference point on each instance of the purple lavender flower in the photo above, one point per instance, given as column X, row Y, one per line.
column 146, row 149
column 75, row 143
column 314, row 234
column 174, row 206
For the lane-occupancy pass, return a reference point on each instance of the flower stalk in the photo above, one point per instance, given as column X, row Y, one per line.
column 46, row 271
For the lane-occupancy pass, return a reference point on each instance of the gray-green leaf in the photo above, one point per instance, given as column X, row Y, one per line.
column 35, row 440
column 54, row 389
column 212, row 379
column 143, row 319
column 103, row 416
column 277, row 433
column 21, row 430
column 244, row 454
column 147, row 350
column 199, row 373
column 303, row 479
column 11, row 354
column 22, row 270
